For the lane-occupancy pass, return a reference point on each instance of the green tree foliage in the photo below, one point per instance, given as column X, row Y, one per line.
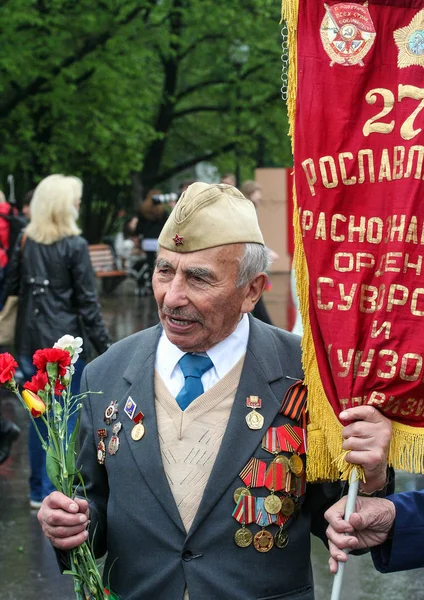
column 128, row 93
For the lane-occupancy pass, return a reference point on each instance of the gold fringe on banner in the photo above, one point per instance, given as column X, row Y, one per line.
column 324, row 444
column 407, row 448
column 289, row 14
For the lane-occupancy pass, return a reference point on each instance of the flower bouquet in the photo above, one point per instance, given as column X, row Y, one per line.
column 48, row 397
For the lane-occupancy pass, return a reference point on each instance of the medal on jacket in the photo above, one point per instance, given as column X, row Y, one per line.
column 287, row 506
column 138, row 430
column 263, row 540
column 281, row 538
column 130, row 407
column 296, row 465
column 110, row 413
column 254, row 419
column 291, row 438
column 298, row 485
column 241, row 491
column 274, row 481
column 270, row 441
column 253, row 474
column 244, row 513
column 113, row 445
column 101, row 448
column 293, row 405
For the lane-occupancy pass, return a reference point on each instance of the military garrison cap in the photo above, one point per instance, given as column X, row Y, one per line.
column 206, row 216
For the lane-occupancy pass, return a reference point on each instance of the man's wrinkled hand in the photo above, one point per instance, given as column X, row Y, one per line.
column 64, row 520
column 367, row 437
column 367, row 527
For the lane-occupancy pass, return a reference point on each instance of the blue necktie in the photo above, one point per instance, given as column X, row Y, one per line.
column 193, row 367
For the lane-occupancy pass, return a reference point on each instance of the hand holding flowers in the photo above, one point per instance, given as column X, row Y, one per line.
column 47, row 396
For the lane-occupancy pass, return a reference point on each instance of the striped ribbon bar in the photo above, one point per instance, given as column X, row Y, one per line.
column 294, row 401
column 270, row 441
column 249, row 506
column 291, row 438
column 238, row 512
column 262, row 517
column 281, row 519
column 275, row 477
column 253, row 474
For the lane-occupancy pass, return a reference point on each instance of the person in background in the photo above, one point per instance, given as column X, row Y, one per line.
column 229, row 179
column 198, row 399
column 5, row 209
column 391, row 526
column 126, row 241
column 26, row 206
column 131, row 257
column 4, row 230
column 9, row 433
column 253, row 191
column 152, row 216
column 51, row 273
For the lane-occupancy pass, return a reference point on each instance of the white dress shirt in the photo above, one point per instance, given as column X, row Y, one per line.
column 224, row 356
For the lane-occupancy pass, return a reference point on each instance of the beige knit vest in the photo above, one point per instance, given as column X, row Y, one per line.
column 190, row 439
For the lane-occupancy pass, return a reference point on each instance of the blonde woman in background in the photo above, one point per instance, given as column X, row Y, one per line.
column 51, row 273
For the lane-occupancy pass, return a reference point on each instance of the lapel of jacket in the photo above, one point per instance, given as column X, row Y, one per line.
column 262, row 366
column 146, row 452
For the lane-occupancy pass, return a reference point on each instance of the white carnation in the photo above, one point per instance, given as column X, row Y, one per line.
column 72, row 344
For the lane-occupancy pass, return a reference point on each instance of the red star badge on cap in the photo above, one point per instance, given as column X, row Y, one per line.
column 179, row 240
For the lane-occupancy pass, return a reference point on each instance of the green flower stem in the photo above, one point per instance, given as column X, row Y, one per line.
column 83, row 566
column 51, row 433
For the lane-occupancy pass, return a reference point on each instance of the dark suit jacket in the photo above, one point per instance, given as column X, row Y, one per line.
column 405, row 550
column 150, row 555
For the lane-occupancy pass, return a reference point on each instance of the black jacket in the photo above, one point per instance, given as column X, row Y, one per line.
column 56, row 287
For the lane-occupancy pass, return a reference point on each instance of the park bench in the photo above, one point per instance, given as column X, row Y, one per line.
column 104, row 265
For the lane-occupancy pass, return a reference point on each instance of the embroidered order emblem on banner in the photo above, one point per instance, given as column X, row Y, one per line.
column 347, row 33
column 410, row 41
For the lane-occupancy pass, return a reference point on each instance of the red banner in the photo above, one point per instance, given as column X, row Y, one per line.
column 357, row 91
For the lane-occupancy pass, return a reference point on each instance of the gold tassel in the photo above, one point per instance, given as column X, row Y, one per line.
column 407, row 448
column 290, row 13
column 324, row 429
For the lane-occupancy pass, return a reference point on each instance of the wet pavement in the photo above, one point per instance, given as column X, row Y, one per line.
column 28, row 569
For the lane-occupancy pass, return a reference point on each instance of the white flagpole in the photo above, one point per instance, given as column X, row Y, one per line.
column 350, row 508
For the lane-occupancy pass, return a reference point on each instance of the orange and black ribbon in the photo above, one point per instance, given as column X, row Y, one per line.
column 293, row 405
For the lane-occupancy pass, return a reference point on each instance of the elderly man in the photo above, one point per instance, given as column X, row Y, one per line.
column 194, row 456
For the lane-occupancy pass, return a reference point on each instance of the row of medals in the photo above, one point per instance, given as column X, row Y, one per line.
column 263, row 540
column 110, row 415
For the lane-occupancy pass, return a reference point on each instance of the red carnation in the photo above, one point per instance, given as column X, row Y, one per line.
column 52, row 355
column 8, row 366
column 37, row 383
column 58, row 388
